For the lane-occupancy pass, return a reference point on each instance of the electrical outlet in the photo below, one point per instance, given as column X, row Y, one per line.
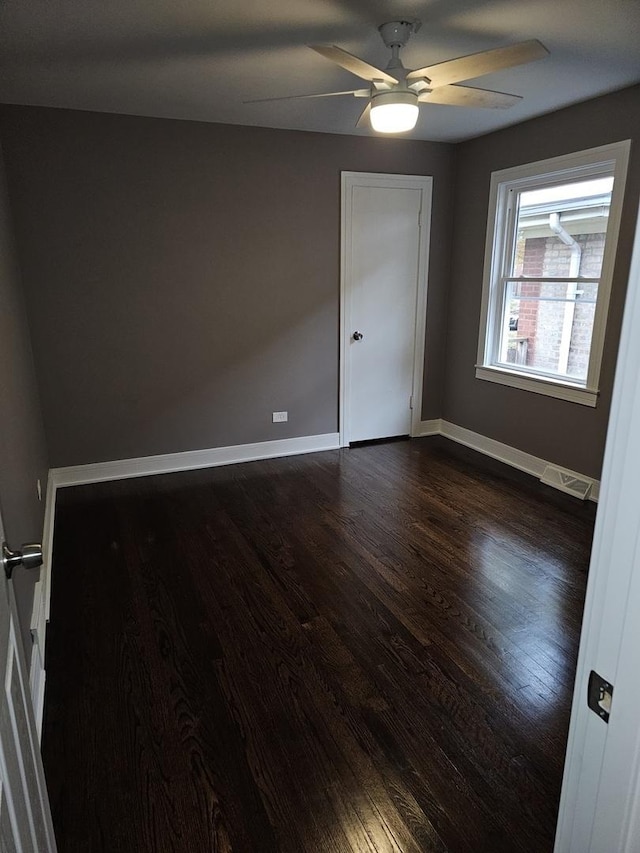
column 280, row 417
column 39, row 489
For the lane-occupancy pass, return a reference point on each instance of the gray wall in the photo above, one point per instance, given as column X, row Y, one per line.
column 566, row 433
column 23, row 457
column 182, row 279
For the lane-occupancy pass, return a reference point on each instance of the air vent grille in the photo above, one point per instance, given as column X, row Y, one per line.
column 566, row 481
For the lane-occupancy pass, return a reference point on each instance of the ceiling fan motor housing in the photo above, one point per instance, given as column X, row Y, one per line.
column 395, row 96
column 396, row 33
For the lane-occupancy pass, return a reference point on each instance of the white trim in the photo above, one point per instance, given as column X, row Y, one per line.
column 37, row 678
column 537, row 385
column 433, row 427
column 214, row 457
column 519, row 459
column 40, row 612
column 499, row 238
column 425, row 184
column 502, row 452
column 47, row 546
column 119, row 469
column 145, row 466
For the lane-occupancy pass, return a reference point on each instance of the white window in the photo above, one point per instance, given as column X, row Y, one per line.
column 551, row 243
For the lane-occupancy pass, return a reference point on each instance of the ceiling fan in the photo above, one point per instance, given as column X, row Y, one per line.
column 394, row 94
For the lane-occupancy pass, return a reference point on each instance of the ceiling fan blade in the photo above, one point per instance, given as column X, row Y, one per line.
column 358, row 93
column 478, row 64
column 364, row 121
column 352, row 63
column 466, row 96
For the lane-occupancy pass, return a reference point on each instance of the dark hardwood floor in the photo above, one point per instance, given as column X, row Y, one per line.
column 361, row 650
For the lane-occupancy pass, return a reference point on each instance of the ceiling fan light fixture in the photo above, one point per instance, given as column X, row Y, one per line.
column 394, row 112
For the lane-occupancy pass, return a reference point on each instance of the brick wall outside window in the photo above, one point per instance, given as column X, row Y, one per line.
column 540, row 324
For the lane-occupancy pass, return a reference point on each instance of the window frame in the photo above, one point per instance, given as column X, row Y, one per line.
column 501, row 222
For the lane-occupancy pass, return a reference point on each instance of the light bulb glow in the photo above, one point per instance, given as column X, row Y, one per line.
column 394, row 112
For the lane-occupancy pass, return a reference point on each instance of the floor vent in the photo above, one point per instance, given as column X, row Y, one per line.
column 566, row 482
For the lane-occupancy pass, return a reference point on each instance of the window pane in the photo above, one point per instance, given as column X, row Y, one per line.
column 561, row 230
column 547, row 326
column 583, row 291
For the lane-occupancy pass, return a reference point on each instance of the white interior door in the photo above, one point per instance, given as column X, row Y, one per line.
column 385, row 231
column 600, row 803
column 25, row 818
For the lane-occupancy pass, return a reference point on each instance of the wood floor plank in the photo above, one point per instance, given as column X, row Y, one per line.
column 362, row 650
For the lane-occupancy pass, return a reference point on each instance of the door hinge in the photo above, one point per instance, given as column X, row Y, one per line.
column 411, row 402
column 420, row 218
column 599, row 695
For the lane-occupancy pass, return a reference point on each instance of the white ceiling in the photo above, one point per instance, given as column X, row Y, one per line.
column 200, row 59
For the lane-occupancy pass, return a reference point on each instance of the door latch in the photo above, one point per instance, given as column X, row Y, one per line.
column 599, row 696
column 30, row 557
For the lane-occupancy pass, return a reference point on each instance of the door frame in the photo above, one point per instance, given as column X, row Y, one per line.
column 424, row 183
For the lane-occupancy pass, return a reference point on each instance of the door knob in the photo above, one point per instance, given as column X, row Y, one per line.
column 358, row 336
column 30, row 557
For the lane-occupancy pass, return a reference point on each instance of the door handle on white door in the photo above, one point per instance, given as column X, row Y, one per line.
column 30, row 557
column 358, row 336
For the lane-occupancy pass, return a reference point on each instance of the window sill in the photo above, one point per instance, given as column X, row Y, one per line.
column 560, row 390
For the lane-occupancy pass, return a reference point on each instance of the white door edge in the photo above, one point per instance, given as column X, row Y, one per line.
column 423, row 183
column 600, row 798
column 41, row 609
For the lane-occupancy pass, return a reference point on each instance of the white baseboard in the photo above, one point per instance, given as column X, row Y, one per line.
column 509, row 455
column 167, row 463
column 433, row 427
column 497, row 450
column 213, row 457
column 119, row 469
